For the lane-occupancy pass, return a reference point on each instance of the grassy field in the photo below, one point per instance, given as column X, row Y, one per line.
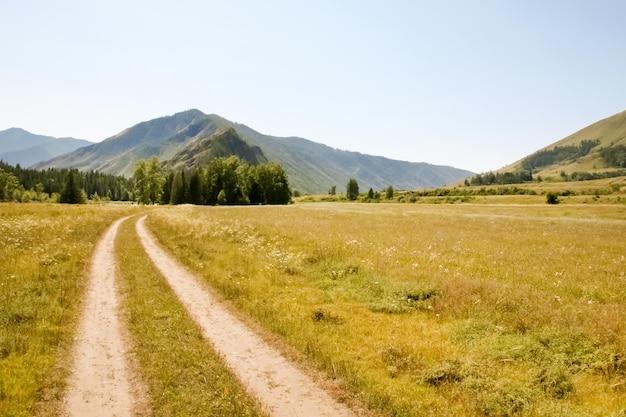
column 184, row 375
column 438, row 310
column 44, row 250
column 416, row 309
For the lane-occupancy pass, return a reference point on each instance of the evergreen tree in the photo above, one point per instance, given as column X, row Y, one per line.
column 178, row 189
column 167, row 188
column 352, row 189
column 370, row 193
column 195, row 192
column 71, row 193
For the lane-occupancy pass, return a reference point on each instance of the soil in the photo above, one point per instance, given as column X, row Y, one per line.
column 104, row 381
column 285, row 390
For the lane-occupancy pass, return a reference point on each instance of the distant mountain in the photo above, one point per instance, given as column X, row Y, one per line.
column 192, row 137
column 18, row 146
column 221, row 144
column 597, row 148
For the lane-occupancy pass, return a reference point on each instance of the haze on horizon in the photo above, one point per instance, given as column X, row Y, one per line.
column 475, row 85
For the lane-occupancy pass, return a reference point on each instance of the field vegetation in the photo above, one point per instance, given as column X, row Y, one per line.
column 44, row 251
column 610, row 190
column 415, row 309
column 184, row 375
column 499, row 310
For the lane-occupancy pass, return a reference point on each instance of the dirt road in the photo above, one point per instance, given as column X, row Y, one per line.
column 102, row 383
column 284, row 389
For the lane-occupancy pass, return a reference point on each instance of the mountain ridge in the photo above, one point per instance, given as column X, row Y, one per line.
column 19, row 146
column 312, row 167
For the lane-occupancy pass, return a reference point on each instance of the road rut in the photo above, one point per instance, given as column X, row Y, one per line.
column 102, row 382
column 284, row 389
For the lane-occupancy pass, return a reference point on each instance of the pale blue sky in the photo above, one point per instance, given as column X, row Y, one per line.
column 473, row 84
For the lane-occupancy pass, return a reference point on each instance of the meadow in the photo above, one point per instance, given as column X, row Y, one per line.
column 436, row 310
column 44, row 252
column 411, row 309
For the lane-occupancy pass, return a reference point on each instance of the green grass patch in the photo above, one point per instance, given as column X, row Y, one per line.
column 184, row 375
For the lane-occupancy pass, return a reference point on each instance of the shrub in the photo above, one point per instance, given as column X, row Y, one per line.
column 552, row 198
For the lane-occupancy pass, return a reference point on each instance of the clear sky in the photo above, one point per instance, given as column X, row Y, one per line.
column 475, row 84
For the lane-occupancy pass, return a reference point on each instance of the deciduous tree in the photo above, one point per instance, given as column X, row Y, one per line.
column 352, row 189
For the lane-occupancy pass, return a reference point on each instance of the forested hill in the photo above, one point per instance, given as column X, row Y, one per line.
column 311, row 167
column 598, row 149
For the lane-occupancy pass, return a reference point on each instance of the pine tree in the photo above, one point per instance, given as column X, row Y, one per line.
column 71, row 193
column 195, row 188
column 177, row 195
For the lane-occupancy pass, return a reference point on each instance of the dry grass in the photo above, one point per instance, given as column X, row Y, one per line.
column 431, row 310
column 44, row 250
column 184, row 375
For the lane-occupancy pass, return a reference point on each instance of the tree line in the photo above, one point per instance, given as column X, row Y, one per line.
column 491, row 178
column 26, row 184
column 615, row 156
column 558, row 154
column 224, row 181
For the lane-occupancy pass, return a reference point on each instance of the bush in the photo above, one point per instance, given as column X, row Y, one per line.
column 552, row 198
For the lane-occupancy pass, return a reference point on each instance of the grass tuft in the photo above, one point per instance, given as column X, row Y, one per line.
column 184, row 375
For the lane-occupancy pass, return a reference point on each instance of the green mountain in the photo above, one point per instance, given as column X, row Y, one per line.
column 221, row 144
column 597, row 148
column 18, row 146
column 192, row 137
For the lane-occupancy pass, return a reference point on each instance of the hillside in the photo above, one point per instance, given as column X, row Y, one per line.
column 221, row 144
column 162, row 137
column 593, row 149
column 311, row 167
column 18, row 146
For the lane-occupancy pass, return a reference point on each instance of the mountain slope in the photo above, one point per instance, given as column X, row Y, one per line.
column 579, row 152
column 117, row 155
column 221, row 144
column 18, row 146
column 311, row 167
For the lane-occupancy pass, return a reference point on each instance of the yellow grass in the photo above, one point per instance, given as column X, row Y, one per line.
column 44, row 250
column 431, row 309
column 184, row 375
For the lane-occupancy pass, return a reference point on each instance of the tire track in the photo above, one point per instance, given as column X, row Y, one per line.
column 284, row 389
column 101, row 382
